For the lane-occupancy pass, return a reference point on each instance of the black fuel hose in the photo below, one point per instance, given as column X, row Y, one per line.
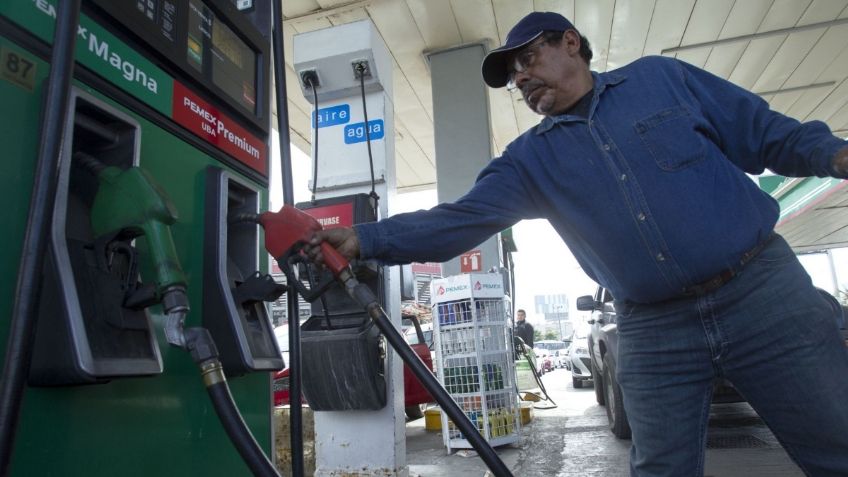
column 296, row 412
column 203, row 351
column 238, row 431
column 22, row 328
column 365, row 297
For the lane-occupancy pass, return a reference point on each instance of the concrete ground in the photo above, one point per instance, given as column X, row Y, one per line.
column 573, row 440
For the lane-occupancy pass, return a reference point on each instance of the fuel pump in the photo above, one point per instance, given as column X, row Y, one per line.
column 286, row 232
column 162, row 92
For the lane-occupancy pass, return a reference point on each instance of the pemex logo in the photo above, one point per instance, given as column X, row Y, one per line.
column 441, row 290
column 477, row 285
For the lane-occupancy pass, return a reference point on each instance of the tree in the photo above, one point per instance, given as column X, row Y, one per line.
column 551, row 335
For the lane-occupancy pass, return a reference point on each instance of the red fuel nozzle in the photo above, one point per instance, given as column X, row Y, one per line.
column 288, row 230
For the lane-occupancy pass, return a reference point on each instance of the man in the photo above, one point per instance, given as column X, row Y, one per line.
column 523, row 329
column 641, row 171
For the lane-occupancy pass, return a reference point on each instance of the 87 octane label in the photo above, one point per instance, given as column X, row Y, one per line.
column 17, row 69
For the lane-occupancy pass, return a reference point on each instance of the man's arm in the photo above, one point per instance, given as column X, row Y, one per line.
column 755, row 138
column 498, row 200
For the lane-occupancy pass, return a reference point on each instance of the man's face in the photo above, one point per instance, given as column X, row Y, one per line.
column 552, row 80
column 520, row 316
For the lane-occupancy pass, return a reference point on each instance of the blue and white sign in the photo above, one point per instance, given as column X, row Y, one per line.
column 332, row 116
column 354, row 133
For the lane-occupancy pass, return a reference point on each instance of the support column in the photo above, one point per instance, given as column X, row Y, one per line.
column 462, row 134
column 357, row 442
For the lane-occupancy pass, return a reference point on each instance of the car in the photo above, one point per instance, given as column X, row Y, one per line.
column 414, row 394
column 602, row 344
column 578, row 358
column 556, row 350
column 544, row 360
column 280, row 379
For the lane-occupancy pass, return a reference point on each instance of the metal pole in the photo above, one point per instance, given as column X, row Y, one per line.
column 295, row 412
column 25, row 312
column 833, row 272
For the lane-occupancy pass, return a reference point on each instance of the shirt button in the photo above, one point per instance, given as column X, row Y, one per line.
column 641, row 217
column 660, row 257
column 623, row 177
column 606, row 147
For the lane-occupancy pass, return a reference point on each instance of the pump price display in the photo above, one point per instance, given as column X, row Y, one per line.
column 216, row 51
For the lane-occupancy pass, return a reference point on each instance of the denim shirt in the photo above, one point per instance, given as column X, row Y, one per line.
column 649, row 192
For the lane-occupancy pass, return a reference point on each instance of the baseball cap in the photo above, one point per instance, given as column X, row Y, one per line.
column 495, row 71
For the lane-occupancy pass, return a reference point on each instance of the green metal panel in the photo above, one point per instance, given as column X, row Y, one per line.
column 806, row 192
column 163, row 425
column 99, row 50
column 770, row 183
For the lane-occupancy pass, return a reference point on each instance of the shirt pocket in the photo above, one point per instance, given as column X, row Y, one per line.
column 671, row 138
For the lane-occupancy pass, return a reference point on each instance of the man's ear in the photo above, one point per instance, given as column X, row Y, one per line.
column 572, row 41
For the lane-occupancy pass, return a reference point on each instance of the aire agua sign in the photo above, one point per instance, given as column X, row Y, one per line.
column 352, row 133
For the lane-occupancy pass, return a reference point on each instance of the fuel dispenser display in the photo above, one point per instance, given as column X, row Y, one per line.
column 161, row 145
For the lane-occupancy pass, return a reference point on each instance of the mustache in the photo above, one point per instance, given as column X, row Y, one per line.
column 530, row 86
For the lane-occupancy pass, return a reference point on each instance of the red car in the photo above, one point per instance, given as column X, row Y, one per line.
column 414, row 393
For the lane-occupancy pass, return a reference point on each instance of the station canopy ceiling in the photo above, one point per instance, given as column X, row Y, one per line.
column 794, row 53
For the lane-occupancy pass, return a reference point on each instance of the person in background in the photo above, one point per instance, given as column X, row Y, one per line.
column 523, row 329
column 642, row 172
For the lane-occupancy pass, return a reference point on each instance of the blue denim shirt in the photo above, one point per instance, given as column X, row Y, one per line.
column 649, row 192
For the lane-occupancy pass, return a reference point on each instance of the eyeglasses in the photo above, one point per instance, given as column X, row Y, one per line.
column 521, row 61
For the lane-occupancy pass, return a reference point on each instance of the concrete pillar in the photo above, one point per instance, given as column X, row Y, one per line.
column 357, row 442
column 462, row 134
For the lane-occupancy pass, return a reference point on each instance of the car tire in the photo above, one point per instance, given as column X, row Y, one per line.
column 414, row 412
column 577, row 383
column 616, row 415
column 599, row 384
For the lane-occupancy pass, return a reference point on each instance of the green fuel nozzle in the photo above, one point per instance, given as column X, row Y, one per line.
column 129, row 204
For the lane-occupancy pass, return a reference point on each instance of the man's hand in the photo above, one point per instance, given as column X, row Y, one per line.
column 343, row 239
column 840, row 163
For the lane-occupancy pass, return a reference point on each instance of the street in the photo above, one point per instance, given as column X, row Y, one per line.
column 573, row 440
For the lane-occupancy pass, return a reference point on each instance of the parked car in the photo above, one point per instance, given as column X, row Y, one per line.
column 280, row 383
column 414, row 394
column 544, row 360
column 556, row 350
column 578, row 358
column 602, row 342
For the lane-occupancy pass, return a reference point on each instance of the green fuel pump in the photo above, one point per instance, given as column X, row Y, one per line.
column 161, row 91
column 129, row 204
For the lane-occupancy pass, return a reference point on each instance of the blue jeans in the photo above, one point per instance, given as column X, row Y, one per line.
column 770, row 333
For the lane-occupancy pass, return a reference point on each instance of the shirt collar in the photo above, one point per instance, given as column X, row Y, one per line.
column 601, row 82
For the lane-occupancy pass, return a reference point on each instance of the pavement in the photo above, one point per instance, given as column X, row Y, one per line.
column 573, row 440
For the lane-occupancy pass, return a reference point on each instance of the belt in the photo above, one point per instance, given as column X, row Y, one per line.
column 725, row 276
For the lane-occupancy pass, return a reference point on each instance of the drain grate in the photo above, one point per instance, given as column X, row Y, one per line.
column 735, row 441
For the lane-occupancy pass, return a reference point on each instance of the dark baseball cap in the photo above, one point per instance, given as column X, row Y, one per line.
column 495, row 70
